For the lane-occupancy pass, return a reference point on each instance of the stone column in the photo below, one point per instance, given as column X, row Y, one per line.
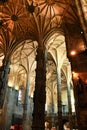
column 30, row 113
column 59, row 98
column 4, row 70
column 27, row 115
column 76, row 86
column 52, row 98
column 39, row 93
column 26, row 106
column 27, row 119
column 69, row 94
column 8, row 108
column 52, row 91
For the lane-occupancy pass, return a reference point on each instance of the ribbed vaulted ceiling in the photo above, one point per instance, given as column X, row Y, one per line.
column 36, row 20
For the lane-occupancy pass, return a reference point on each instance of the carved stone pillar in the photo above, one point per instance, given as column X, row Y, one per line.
column 8, row 108
column 27, row 118
column 52, row 105
column 76, row 86
column 4, row 70
column 52, row 98
column 59, row 98
column 30, row 113
column 26, row 105
column 69, row 94
column 39, row 93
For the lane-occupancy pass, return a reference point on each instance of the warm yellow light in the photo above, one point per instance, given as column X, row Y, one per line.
column 75, row 75
column 73, row 53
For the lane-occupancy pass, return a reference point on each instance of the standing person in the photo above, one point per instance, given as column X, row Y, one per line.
column 66, row 126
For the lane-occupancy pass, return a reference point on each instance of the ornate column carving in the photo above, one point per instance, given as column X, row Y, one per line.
column 59, row 98
column 10, row 105
column 69, row 94
column 8, row 108
column 4, row 71
column 27, row 109
column 39, row 93
column 76, row 84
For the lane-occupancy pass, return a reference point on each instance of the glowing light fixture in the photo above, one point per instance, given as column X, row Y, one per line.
column 75, row 75
column 81, row 32
column 73, row 53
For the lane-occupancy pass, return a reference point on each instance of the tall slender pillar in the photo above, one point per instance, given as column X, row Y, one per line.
column 38, row 122
column 4, row 70
column 76, row 85
column 30, row 113
column 8, row 108
column 69, row 94
column 52, row 91
column 59, row 98
column 27, row 109
column 52, row 98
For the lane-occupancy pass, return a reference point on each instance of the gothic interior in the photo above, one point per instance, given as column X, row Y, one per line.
column 43, row 64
